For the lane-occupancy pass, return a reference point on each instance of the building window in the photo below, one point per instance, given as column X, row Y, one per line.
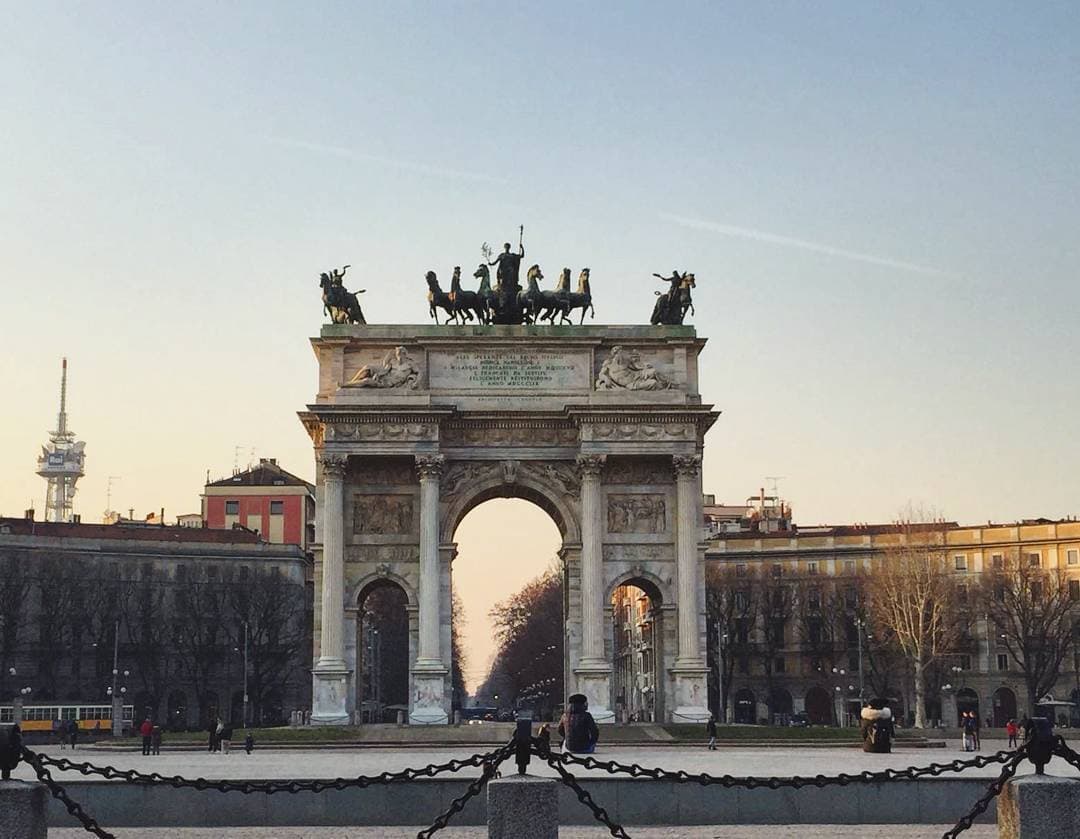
column 232, row 508
column 777, row 571
column 1036, row 591
column 813, row 599
column 997, row 562
column 1034, row 560
column 851, row 597
column 811, row 567
column 962, row 595
column 744, row 664
column 960, row 562
column 1074, row 589
column 853, row 662
column 849, row 566
column 965, row 662
column 1002, row 661
column 740, row 569
column 277, row 508
column 1072, row 556
column 778, row 664
column 778, row 631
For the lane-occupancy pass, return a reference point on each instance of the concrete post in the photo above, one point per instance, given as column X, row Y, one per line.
column 22, row 810
column 1039, row 807
column 523, row 807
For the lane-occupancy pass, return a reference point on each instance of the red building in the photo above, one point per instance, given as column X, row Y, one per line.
column 266, row 499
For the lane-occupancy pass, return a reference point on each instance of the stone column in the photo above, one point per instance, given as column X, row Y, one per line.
column 593, row 671
column 429, row 672
column 330, row 675
column 690, row 672
column 1039, row 807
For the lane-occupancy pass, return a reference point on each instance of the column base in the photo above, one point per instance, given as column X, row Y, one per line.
column 329, row 693
column 428, row 693
column 691, row 695
column 594, row 680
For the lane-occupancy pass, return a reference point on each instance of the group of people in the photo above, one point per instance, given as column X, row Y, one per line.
column 221, row 735
column 151, row 737
column 67, row 732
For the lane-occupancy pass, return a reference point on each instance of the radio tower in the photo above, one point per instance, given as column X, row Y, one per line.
column 61, row 462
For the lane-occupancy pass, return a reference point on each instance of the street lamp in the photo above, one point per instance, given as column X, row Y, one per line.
column 860, row 625
column 245, row 711
column 721, row 640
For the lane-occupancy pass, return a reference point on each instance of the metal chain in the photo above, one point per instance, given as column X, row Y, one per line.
column 268, row 787
column 599, row 813
column 491, row 766
column 59, row 793
column 635, row 770
column 1062, row 750
column 991, row 793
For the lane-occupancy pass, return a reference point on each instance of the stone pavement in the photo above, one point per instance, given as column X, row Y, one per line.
column 266, row 764
column 817, row 831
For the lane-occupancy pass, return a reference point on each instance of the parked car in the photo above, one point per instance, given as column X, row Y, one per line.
column 799, row 720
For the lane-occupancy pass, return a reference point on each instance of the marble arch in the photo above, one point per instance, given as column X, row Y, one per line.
column 602, row 427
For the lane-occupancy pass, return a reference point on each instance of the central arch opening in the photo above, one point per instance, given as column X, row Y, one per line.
column 507, row 579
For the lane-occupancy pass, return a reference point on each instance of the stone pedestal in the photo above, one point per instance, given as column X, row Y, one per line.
column 329, row 695
column 691, row 695
column 22, row 810
column 523, row 807
column 1039, row 807
column 428, row 691
column 595, row 684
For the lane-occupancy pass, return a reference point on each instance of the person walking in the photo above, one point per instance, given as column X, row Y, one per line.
column 226, row 733
column 60, row 730
column 147, row 732
column 73, row 733
column 1012, row 730
column 978, row 730
column 710, row 729
column 249, row 742
column 969, row 724
column 578, row 726
column 155, row 740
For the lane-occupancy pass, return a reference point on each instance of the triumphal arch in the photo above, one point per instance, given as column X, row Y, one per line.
column 602, row 427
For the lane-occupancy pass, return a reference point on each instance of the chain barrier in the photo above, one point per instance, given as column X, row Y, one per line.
column 636, row 770
column 491, row 766
column 268, row 787
column 59, row 793
column 489, row 763
column 991, row 793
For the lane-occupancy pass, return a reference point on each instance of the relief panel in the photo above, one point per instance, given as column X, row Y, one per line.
column 637, row 513
column 383, row 514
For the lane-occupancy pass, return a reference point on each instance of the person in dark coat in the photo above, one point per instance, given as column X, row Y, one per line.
column 155, row 740
column 710, row 729
column 578, row 727
column 225, row 734
column 876, row 727
column 249, row 742
column 146, row 730
column 73, row 733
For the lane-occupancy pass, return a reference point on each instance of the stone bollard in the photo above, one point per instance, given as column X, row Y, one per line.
column 523, row 807
column 22, row 810
column 1039, row 807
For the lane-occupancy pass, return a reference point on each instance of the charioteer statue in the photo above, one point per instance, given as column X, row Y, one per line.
column 508, row 280
column 671, row 307
column 341, row 305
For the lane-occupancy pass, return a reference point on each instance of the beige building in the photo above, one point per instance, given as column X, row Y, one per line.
column 796, row 665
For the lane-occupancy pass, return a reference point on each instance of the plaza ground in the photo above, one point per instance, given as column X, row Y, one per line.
column 772, row 831
column 271, row 764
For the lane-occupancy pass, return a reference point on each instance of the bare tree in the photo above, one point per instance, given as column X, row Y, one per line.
column 458, row 657
column 199, row 637
column 14, row 618
column 775, row 598
column 912, row 599
column 1031, row 611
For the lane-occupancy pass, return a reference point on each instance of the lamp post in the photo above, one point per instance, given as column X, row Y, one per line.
column 117, row 702
column 860, row 624
column 838, row 674
column 245, row 710
column 17, row 702
column 721, row 639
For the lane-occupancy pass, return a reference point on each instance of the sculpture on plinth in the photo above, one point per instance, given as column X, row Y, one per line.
column 398, row 370
column 624, row 370
column 341, row 305
column 671, row 307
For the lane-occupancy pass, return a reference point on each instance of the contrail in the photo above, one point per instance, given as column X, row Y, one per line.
column 407, row 165
column 787, row 241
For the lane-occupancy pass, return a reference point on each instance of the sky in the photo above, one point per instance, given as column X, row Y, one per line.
column 879, row 201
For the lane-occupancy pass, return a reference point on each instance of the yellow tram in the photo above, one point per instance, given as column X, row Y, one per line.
column 43, row 717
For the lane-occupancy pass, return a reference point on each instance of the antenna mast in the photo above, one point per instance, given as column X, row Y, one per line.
column 61, row 462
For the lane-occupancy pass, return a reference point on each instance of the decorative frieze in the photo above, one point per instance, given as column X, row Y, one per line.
column 632, row 470
column 381, row 431
column 383, row 515
column 492, row 434
column 641, row 431
column 637, row 513
column 624, row 369
column 383, row 471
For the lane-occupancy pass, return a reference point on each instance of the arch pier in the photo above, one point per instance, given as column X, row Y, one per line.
column 602, row 427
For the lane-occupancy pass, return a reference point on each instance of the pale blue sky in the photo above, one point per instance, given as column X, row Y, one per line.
column 880, row 202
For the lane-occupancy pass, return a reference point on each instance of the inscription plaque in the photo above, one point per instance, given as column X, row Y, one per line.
column 508, row 370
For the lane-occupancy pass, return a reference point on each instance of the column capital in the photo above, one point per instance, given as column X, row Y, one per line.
column 334, row 464
column 590, row 465
column 430, row 466
column 686, row 466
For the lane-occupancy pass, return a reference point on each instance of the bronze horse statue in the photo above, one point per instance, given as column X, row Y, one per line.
column 439, row 299
column 466, row 302
column 339, row 304
column 671, row 307
column 570, row 300
column 486, row 296
column 535, row 303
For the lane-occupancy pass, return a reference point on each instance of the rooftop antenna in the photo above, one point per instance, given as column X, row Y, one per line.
column 775, row 480
column 108, row 492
